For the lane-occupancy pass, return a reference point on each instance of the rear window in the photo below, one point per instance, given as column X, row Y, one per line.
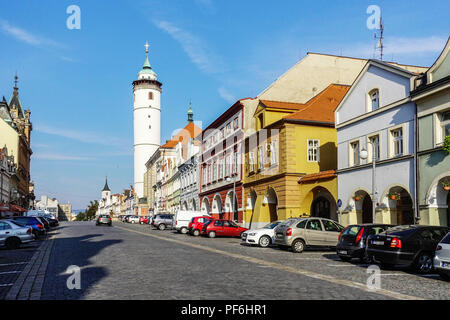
column 351, row 231
column 18, row 223
column 402, row 230
column 446, row 239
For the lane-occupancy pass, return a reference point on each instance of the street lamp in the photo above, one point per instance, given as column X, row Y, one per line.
column 364, row 155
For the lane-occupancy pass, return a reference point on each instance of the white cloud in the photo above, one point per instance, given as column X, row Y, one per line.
column 198, row 50
column 399, row 46
column 63, row 157
column 82, row 136
column 25, row 36
column 226, row 95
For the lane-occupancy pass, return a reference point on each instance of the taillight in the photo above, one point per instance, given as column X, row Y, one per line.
column 289, row 232
column 396, row 243
column 359, row 235
column 438, row 248
column 40, row 226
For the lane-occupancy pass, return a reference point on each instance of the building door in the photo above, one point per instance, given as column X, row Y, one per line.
column 367, row 210
column 320, row 208
column 405, row 209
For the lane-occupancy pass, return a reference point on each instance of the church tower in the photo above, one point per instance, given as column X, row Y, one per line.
column 146, row 121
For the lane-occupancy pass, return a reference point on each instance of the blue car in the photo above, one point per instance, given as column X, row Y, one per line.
column 33, row 222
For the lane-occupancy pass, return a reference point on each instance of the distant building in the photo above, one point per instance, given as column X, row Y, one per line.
column 49, row 204
column 65, row 211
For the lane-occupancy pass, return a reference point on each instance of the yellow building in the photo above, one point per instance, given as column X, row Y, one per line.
column 290, row 160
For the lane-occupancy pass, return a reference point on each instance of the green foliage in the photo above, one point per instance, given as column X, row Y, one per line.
column 445, row 183
column 81, row 216
column 447, row 144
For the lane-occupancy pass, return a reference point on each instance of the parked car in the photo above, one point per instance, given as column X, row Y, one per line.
column 44, row 222
column 406, row 246
column 441, row 260
column 222, row 228
column 308, row 232
column 54, row 222
column 125, row 218
column 34, row 223
column 196, row 224
column 103, row 219
column 262, row 237
column 143, row 220
column 13, row 234
column 133, row 219
column 353, row 239
column 162, row 221
column 184, row 217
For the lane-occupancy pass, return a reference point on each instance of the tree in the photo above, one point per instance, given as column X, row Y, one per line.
column 92, row 209
column 81, row 216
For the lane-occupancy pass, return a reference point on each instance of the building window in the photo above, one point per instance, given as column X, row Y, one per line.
column 150, row 95
column 444, row 123
column 375, row 140
column 374, row 100
column 235, row 162
column 228, row 166
column 251, row 161
column 313, row 150
column 236, row 123
column 273, row 153
column 228, row 128
column 261, row 121
column 397, row 142
column 354, row 153
column 214, row 171
column 209, row 173
column 221, row 168
column 205, row 178
column 260, row 158
column 222, row 133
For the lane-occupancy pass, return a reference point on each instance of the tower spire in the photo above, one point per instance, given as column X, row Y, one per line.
column 106, row 188
column 190, row 113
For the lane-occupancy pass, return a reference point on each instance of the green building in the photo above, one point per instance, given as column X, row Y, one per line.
column 432, row 97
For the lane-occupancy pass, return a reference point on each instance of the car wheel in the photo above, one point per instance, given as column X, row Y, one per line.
column 298, row 246
column 184, row 230
column 444, row 276
column 12, row 243
column 264, row 241
column 345, row 259
column 162, row 226
column 424, row 263
column 212, row 234
column 196, row 232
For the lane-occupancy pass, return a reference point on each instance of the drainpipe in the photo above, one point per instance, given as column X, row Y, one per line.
column 416, row 168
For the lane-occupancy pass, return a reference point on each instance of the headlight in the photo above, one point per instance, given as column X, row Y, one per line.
column 252, row 234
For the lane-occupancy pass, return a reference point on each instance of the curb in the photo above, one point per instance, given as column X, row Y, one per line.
column 29, row 284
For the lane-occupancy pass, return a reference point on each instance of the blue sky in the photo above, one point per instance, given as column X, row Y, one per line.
column 77, row 83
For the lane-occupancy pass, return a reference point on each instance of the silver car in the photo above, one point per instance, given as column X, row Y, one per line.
column 13, row 234
column 307, row 232
column 442, row 258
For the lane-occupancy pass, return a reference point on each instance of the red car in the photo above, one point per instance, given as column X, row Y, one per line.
column 196, row 224
column 143, row 219
column 220, row 227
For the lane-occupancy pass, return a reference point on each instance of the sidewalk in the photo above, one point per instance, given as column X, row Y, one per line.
column 29, row 284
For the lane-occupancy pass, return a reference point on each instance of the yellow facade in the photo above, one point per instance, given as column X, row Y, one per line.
column 9, row 138
column 274, row 192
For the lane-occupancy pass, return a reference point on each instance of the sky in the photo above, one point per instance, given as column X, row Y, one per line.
column 78, row 82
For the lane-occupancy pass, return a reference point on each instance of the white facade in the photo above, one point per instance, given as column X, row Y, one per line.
column 146, row 122
column 377, row 108
column 48, row 204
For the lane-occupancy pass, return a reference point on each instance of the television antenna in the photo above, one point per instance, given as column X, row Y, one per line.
column 378, row 36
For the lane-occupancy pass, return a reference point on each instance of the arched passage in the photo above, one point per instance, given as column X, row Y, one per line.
column 205, row 205
column 400, row 203
column 272, row 202
column 323, row 204
column 217, row 206
column 231, row 209
column 364, row 205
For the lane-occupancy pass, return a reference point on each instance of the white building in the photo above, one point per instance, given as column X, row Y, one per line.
column 105, row 203
column 147, row 121
column 49, row 204
column 377, row 115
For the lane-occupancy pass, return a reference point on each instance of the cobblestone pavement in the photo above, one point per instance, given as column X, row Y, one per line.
column 13, row 262
column 129, row 261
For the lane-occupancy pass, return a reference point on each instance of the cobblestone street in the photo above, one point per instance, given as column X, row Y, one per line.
column 130, row 261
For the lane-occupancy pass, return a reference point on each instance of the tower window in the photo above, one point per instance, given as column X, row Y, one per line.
column 150, row 96
column 374, row 100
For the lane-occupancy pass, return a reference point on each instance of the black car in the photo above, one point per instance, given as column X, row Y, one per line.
column 353, row 240
column 406, row 246
column 45, row 222
column 53, row 221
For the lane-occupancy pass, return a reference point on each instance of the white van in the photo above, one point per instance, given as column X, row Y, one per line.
column 183, row 217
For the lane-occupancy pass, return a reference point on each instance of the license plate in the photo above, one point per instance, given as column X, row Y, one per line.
column 445, row 265
column 279, row 235
column 342, row 251
column 378, row 243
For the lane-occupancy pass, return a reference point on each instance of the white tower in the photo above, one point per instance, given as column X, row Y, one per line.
column 147, row 121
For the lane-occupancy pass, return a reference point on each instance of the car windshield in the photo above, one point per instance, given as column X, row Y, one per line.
column 290, row 222
column 446, row 239
column 272, row 225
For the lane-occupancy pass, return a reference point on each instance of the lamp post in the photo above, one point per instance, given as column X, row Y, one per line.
column 364, row 155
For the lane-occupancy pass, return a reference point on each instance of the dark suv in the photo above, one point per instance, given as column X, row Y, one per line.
column 406, row 246
column 162, row 221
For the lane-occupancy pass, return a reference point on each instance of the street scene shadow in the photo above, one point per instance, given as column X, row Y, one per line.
column 56, row 281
